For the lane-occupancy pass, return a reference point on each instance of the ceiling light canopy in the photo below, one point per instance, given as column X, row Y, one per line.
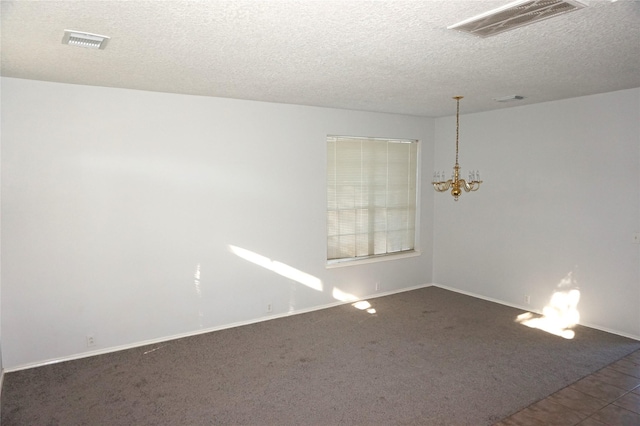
column 82, row 39
column 515, row 15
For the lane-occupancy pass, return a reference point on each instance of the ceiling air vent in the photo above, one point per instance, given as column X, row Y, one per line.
column 509, row 98
column 81, row 39
column 514, row 15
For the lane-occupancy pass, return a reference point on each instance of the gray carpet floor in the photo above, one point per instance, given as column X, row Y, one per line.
column 427, row 356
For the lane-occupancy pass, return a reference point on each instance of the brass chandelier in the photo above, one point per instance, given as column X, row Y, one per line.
column 455, row 183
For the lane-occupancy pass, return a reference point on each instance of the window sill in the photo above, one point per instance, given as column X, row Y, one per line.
column 339, row 263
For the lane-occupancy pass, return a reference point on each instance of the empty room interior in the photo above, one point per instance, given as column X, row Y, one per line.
column 174, row 170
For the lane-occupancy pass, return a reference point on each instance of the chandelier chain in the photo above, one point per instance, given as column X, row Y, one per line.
column 457, row 125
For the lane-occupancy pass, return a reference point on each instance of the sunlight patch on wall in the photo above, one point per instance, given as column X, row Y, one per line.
column 198, row 289
column 342, row 296
column 196, row 281
column 278, row 267
column 561, row 314
column 297, row 276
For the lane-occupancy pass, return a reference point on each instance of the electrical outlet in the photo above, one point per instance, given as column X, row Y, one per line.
column 527, row 299
column 90, row 341
column 636, row 237
column 269, row 307
column 377, row 286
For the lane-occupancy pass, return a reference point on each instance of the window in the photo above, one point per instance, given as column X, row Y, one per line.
column 371, row 197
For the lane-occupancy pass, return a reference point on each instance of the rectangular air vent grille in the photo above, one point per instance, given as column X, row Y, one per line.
column 82, row 39
column 514, row 15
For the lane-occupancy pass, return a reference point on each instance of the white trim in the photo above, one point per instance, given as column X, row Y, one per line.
column 402, row 290
column 286, row 314
column 489, row 299
column 203, row 331
column 608, row 330
column 339, row 263
column 528, row 308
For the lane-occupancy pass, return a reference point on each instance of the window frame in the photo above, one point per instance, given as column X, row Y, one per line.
column 374, row 258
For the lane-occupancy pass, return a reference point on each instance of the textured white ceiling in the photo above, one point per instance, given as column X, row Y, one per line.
column 388, row 56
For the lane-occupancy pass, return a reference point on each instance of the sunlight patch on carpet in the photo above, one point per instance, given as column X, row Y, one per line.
column 362, row 305
column 561, row 314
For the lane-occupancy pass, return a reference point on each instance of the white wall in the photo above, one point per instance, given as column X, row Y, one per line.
column 561, row 195
column 113, row 200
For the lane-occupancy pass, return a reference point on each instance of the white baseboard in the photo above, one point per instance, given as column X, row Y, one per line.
column 609, row 330
column 528, row 308
column 489, row 299
column 282, row 315
column 202, row 331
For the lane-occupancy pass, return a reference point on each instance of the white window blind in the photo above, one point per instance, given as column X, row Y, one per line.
column 371, row 196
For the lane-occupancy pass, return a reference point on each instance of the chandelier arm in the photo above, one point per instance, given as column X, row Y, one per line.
column 442, row 186
column 477, row 185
